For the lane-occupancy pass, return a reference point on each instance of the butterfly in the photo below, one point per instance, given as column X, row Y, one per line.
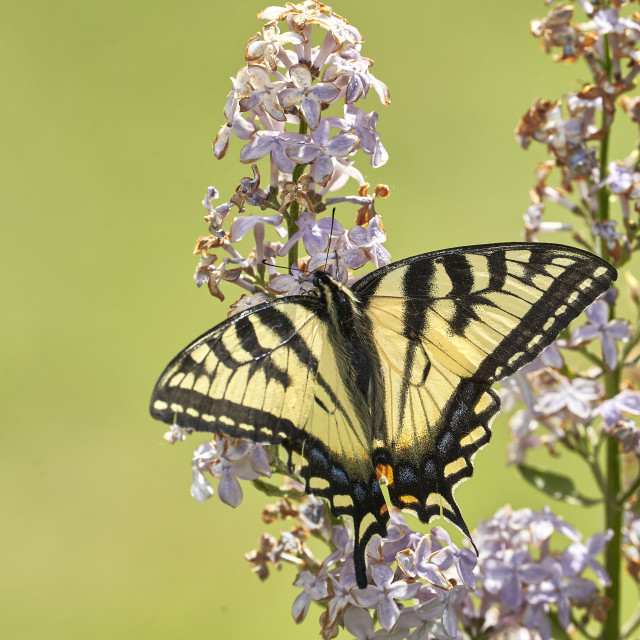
column 387, row 380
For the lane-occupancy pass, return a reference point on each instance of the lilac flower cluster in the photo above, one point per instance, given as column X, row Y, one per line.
column 573, row 127
column 584, row 404
column 278, row 106
column 424, row 586
column 567, row 406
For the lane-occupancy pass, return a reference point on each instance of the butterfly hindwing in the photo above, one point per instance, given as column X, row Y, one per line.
column 447, row 325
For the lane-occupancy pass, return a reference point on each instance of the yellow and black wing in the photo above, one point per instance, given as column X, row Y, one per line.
column 446, row 326
column 271, row 375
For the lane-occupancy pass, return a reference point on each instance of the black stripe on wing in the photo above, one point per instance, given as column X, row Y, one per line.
column 186, row 393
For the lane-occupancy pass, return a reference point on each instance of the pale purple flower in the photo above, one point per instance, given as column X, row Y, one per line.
column 359, row 623
column 464, row 560
column 314, row 588
column 607, row 21
column 285, row 284
column 561, row 134
column 575, row 395
column 320, row 151
column 263, row 92
column 241, row 225
column 613, row 409
column 418, row 564
column 316, row 235
column 362, row 125
column 509, row 574
column 228, row 462
column 239, row 126
column 535, row 614
column 612, row 238
column 332, row 263
column 216, row 216
column 543, row 524
column 310, row 96
column 533, row 222
column 241, row 88
column 275, row 143
column 342, row 588
column 621, row 179
column 523, row 423
column 351, row 71
column 399, row 537
column 343, row 169
column 354, row 257
column 572, row 590
column 268, row 51
column 212, row 194
column 507, row 529
column 175, row 434
column 383, row 594
column 444, row 606
column 608, row 331
column 370, row 241
column 349, row 74
column 578, row 556
column 522, row 426
column 559, row 590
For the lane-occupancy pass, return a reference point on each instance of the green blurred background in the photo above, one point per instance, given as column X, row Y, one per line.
column 107, row 115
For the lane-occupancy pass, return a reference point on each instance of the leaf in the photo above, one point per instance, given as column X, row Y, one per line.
column 555, row 485
column 271, row 490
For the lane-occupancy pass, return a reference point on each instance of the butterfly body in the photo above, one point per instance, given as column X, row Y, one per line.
column 390, row 378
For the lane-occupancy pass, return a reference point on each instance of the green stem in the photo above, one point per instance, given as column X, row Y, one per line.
column 613, row 509
column 603, row 193
column 294, row 210
column 294, row 207
column 613, row 521
column 292, row 216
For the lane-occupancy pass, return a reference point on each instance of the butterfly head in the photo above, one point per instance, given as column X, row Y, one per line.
column 322, row 279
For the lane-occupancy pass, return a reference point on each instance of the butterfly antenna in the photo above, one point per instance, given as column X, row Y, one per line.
column 333, row 217
column 277, row 266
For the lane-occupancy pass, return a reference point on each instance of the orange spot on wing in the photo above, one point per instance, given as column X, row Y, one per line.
column 385, row 471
